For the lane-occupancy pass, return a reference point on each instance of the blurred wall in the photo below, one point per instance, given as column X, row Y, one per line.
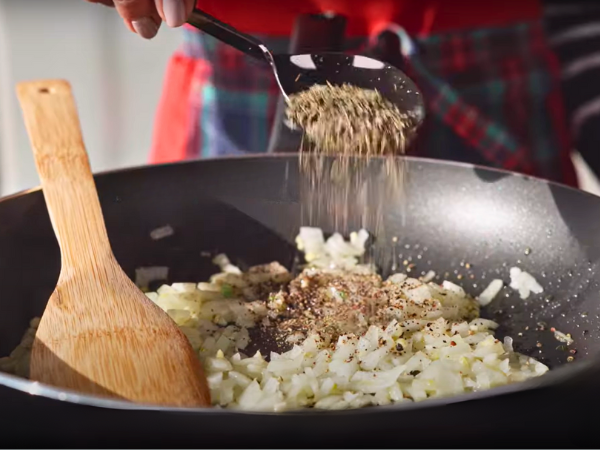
column 117, row 78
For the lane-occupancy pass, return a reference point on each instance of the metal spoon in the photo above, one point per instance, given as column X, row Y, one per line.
column 295, row 73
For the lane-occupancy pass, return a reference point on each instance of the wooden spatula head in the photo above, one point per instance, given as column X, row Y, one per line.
column 99, row 333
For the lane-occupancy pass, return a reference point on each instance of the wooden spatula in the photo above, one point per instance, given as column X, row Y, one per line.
column 99, row 333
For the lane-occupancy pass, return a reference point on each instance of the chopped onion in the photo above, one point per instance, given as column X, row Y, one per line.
column 562, row 337
column 145, row 275
column 524, row 283
column 429, row 343
column 162, row 232
column 429, row 276
column 490, row 292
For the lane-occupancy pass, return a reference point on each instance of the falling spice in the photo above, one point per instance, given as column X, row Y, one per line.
column 349, row 120
column 348, row 163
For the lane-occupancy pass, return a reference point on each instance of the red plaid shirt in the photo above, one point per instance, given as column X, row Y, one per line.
column 368, row 17
column 493, row 93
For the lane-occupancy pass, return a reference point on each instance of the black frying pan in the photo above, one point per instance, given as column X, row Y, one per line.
column 248, row 208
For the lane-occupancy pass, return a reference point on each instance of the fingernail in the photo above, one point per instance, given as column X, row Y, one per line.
column 174, row 12
column 145, row 27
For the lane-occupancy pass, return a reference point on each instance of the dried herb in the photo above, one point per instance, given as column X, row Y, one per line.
column 227, row 291
column 343, row 185
column 349, row 120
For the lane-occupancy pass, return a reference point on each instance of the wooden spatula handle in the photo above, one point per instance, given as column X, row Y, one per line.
column 62, row 162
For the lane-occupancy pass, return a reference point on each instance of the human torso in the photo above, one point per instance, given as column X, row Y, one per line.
column 418, row 17
column 480, row 57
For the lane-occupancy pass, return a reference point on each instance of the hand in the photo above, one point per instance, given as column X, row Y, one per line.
column 144, row 17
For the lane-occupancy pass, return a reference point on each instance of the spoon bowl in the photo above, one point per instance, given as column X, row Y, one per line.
column 297, row 73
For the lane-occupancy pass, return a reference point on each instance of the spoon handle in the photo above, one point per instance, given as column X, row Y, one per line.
column 226, row 33
column 53, row 125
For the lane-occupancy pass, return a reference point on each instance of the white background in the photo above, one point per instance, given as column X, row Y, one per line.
column 117, row 78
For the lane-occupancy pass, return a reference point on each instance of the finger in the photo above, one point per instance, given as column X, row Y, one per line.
column 175, row 12
column 141, row 16
column 130, row 26
column 102, row 2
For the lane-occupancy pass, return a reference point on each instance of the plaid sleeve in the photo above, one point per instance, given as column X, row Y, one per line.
column 488, row 137
column 493, row 97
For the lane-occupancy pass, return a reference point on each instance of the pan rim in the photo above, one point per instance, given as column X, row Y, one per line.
column 259, row 156
column 551, row 378
column 554, row 376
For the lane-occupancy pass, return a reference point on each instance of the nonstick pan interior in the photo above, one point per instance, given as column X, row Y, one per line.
column 470, row 225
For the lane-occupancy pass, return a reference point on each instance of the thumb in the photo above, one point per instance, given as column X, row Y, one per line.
column 175, row 12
